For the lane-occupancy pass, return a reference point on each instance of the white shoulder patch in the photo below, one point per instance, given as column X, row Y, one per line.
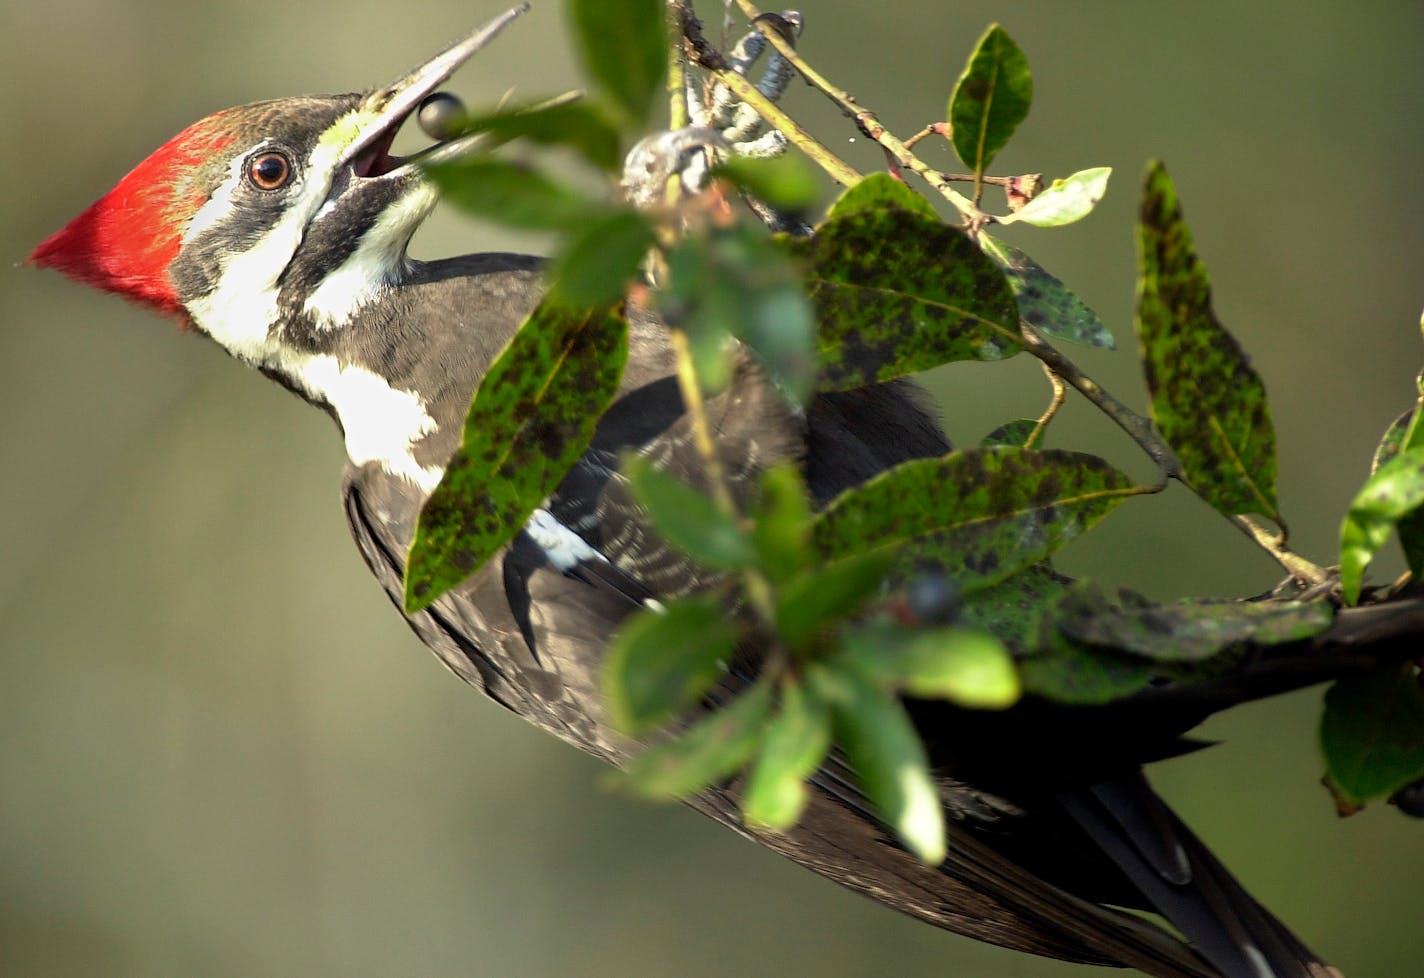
column 564, row 548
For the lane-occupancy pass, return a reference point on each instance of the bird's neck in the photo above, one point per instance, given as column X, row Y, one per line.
column 398, row 373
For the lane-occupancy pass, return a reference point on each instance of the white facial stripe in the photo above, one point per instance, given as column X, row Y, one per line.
column 241, row 311
column 378, row 261
column 381, row 423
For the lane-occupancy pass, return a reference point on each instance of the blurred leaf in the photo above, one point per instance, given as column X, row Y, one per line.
column 599, row 259
column 717, row 746
column 1013, row 609
column 623, row 44
column 986, row 513
column 896, row 292
column 878, row 191
column 662, row 662
column 1010, row 434
column 736, row 282
column 686, row 518
column 829, row 593
column 1206, row 400
column 532, row 417
column 990, row 99
column 1406, row 433
column 1065, row 201
column 1044, row 302
column 787, row 183
column 1065, row 672
column 796, row 741
column 513, row 195
column 1372, row 733
column 1395, row 491
column 882, row 745
column 581, row 126
column 1190, row 631
column 963, row 665
column 782, row 529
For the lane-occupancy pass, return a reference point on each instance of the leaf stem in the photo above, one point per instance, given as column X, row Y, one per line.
column 865, row 120
column 677, row 71
column 708, row 57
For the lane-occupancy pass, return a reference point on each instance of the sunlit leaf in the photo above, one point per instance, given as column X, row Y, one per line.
column 1044, row 302
column 686, row 518
column 1064, row 201
column 796, row 741
column 531, row 419
column 895, row 292
column 662, row 662
column 1406, row 433
column 877, row 191
column 1395, row 491
column 1372, row 733
column 1207, row 401
column 716, row 747
column 623, row 47
column 988, row 513
column 962, row 665
column 990, row 99
column 1010, row 434
column 880, row 742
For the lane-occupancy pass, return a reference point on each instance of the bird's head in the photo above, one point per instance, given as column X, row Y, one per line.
column 277, row 217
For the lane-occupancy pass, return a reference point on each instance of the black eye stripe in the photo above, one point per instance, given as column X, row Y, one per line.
column 270, row 170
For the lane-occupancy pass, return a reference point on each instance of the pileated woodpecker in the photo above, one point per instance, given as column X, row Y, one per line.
column 279, row 230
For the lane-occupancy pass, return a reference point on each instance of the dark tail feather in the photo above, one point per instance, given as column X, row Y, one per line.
column 1187, row 885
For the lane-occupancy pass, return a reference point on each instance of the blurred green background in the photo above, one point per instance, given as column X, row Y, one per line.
column 221, row 753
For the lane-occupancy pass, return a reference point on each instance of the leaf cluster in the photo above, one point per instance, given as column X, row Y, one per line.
column 930, row 580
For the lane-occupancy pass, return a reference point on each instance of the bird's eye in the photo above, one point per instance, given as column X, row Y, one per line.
column 269, row 171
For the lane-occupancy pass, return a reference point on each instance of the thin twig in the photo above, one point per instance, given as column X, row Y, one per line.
column 865, row 120
column 712, row 60
column 677, row 73
column 1055, row 404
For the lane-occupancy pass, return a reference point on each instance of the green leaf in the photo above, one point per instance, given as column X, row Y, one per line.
column 717, row 746
column 1394, row 492
column 579, row 125
column 1206, row 400
column 1065, row 672
column 786, row 182
column 829, row 593
column 1065, row 201
column 531, row 419
column 662, row 662
column 963, row 665
column 1013, row 609
column 686, row 518
column 889, row 760
column 513, row 195
column 877, row 191
column 895, row 292
column 623, row 44
column 736, row 282
column 599, row 259
column 1190, row 631
column 987, row 513
column 990, row 99
column 1406, row 433
column 1372, row 733
column 1044, row 302
column 1010, row 434
column 782, row 528
column 796, row 742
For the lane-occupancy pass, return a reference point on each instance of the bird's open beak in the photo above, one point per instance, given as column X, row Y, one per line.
column 379, row 116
